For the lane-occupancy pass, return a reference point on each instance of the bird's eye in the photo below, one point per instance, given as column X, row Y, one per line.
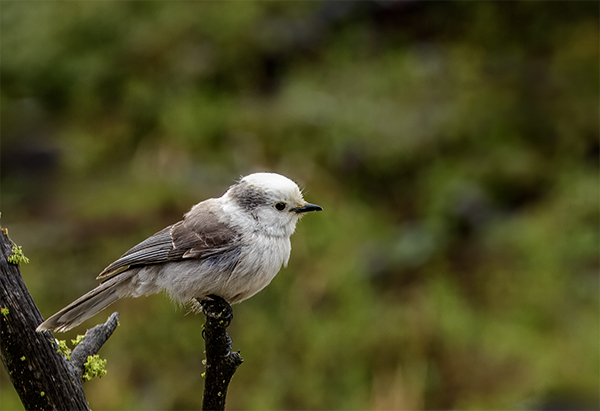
column 280, row 206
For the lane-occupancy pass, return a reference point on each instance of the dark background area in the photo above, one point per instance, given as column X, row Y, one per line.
column 453, row 145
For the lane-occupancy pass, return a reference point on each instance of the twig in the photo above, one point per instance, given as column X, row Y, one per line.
column 92, row 342
column 221, row 361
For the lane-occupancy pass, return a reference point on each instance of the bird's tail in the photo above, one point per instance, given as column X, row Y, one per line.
column 87, row 305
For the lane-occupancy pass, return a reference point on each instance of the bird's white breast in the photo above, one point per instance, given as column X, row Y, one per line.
column 261, row 261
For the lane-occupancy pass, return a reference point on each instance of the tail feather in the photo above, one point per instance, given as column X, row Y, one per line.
column 87, row 305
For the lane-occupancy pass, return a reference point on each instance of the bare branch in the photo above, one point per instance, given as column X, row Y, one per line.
column 41, row 376
column 221, row 361
column 93, row 341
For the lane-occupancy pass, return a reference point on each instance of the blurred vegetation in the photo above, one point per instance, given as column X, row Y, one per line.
column 453, row 146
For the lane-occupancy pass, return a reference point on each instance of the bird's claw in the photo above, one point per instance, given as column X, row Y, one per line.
column 216, row 307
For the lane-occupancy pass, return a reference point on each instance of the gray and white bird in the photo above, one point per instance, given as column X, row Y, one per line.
column 231, row 247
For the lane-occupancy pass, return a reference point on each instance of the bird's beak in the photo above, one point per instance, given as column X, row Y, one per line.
column 306, row 208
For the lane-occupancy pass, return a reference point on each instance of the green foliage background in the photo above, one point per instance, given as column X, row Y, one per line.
column 453, row 146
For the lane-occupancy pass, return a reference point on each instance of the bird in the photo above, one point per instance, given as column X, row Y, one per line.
column 230, row 247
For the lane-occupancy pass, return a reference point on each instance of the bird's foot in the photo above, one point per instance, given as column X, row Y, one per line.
column 216, row 307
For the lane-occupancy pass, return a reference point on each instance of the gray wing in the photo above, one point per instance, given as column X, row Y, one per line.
column 200, row 235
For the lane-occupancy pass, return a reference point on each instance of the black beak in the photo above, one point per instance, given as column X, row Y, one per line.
column 306, row 208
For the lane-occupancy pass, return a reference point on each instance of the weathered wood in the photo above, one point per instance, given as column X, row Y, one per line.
column 92, row 342
column 221, row 361
column 41, row 376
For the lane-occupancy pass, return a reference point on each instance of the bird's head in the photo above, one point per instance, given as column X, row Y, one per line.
column 273, row 201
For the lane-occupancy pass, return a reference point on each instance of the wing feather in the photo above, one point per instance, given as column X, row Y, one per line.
column 199, row 235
